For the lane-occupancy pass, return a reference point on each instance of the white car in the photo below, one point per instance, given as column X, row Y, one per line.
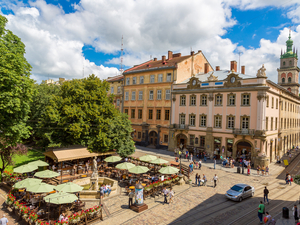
column 239, row 192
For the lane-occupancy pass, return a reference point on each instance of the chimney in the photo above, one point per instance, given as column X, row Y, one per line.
column 206, row 66
column 217, row 68
column 155, row 59
column 199, row 51
column 243, row 69
column 233, row 66
column 177, row 55
column 163, row 58
column 192, row 52
column 170, row 55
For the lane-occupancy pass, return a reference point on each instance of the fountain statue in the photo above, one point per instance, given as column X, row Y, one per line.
column 94, row 177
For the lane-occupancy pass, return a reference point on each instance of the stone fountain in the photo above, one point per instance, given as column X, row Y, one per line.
column 94, row 177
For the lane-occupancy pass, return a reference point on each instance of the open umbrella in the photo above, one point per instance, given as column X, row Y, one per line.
column 138, row 169
column 68, row 187
column 38, row 163
column 27, row 182
column 46, row 174
column 25, row 168
column 125, row 166
column 169, row 170
column 159, row 161
column 148, row 158
column 113, row 159
column 60, row 198
column 40, row 188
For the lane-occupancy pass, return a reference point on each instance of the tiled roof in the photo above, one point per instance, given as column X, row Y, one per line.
column 169, row 63
column 115, row 78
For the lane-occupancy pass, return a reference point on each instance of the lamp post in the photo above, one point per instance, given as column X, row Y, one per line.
column 181, row 148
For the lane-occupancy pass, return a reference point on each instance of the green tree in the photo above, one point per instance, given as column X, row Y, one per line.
column 82, row 113
column 15, row 90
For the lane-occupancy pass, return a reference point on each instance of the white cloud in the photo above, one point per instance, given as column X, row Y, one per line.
column 54, row 39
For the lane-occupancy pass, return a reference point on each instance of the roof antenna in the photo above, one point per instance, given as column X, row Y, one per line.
column 150, row 57
column 240, row 62
column 121, row 63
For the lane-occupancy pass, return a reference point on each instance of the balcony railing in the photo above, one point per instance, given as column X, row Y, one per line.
column 181, row 126
column 243, row 131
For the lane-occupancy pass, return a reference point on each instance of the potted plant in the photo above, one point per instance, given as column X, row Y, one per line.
column 33, row 217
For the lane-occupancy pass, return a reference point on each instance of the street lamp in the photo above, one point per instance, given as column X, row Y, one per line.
column 181, row 148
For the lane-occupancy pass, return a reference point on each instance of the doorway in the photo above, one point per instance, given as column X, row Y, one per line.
column 244, row 149
column 153, row 138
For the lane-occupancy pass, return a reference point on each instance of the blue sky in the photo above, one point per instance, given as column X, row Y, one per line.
column 63, row 37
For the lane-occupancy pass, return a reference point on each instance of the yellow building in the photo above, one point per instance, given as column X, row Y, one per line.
column 148, row 98
column 116, row 84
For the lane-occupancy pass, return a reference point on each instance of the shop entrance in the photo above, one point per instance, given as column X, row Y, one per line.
column 181, row 139
column 243, row 149
column 153, row 138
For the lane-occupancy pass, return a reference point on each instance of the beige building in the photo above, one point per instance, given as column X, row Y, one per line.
column 116, row 88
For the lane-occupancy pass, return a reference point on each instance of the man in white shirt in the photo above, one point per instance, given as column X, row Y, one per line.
column 3, row 220
column 165, row 192
column 215, row 179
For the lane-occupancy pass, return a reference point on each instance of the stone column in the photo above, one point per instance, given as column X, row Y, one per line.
column 158, row 136
column 210, row 112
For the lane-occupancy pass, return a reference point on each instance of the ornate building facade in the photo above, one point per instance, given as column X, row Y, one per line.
column 116, row 88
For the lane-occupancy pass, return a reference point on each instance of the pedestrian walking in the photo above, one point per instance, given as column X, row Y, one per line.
column 268, row 219
column 215, row 179
column 266, row 192
column 263, row 170
column 296, row 213
column 289, row 178
column 199, row 180
column 196, row 178
column 191, row 157
column 249, row 169
column 200, row 164
column 3, row 220
column 261, row 209
column 215, row 162
column 204, row 155
column 290, row 156
column 267, row 170
column 204, row 180
column 130, row 195
column 171, row 194
column 258, row 169
column 165, row 192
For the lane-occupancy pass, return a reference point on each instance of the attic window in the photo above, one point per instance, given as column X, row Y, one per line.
column 148, row 65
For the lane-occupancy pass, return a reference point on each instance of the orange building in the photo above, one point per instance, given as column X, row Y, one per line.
column 116, row 88
column 148, row 98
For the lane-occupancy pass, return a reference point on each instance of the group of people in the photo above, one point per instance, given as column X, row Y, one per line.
column 288, row 179
column 263, row 170
column 199, row 181
column 167, row 193
column 105, row 189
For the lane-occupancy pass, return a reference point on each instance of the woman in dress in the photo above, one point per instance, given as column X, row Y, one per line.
column 249, row 170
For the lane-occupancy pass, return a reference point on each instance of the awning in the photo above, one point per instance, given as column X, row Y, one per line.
column 67, row 154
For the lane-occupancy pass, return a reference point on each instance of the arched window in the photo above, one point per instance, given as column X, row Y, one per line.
column 284, row 63
column 283, row 80
column 289, row 80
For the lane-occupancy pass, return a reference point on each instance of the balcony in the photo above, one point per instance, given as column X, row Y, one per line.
column 181, row 126
column 243, row 131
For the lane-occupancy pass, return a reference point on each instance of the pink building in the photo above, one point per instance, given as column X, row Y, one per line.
column 227, row 113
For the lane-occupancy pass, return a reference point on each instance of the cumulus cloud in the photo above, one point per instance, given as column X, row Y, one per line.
column 54, row 39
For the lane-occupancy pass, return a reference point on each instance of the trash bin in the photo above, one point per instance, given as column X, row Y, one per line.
column 238, row 170
column 285, row 212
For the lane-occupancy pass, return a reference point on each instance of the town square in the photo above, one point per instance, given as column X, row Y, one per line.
column 145, row 112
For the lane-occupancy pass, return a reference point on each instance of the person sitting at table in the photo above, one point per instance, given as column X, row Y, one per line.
column 126, row 159
column 130, row 181
column 156, row 178
column 153, row 178
column 61, row 217
column 53, row 167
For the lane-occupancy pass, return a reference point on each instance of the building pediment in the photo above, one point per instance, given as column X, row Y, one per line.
column 194, row 83
column 233, row 80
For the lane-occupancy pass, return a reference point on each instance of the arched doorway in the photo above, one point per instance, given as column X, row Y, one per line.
column 243, row 148
column 181, row 139
column 153, row 138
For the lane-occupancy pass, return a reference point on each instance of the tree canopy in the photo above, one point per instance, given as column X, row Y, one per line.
column 82, row 113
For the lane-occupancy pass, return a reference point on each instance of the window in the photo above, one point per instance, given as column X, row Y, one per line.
column 140, row 114
column 281, row 124
column 158, row 94
column 192, row 139
column 289, row 80
column 151, row 78
column 126, row 111
column 231, row 99
column 168, row 77
column 118, row 102
column 139, row 135
column 192, row 100
column 134, row 80
column 202, row 141
column 290, row 62
column 133, row 95
column 276, row 123
column 150, row 95
column 218, row 121
column 140, row 95
column 166, row 138
column 218, row 100
column 284, row 123
column 167, row 114
column 168, row 94
column 126, row 96
column 245, row 123
column 119, row 90
column 267, row 123
column 276, row 103
column 283, row 80
column 127, row 81
column 150, row 114
column 230, row 122
column 272, row 102
column 182, row 119
column 141, row 79
column 158, row 114
column 112, row 90
column 202, row 120
column 284, row 63
column 132, row 113
column 192, row 120
column 271, row 123
column 160, row 78
column 203, row 99
column 182, row 100
column 196, row 140
column 268, row 101
column 246, row 99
